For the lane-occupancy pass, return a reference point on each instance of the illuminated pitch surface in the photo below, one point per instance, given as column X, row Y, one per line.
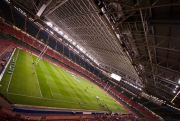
column 52, row 86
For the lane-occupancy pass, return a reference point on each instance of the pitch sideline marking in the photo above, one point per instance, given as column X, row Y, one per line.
column 56, row 93
column 37, row 78
column 12, row 73
column 41, row 98
column 50, row 90
column 48, row 99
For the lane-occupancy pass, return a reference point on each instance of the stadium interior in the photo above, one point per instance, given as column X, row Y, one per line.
column 127, row 50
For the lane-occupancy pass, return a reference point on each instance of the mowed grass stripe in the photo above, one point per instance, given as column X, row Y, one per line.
column 36, row 75
column 49, row 78
column 68, row 91
column 68, row 82
column 89, row 98
column 79, row 88
column 24, row 72
column 56, row 80
column 63, row 91
column 71, row 83
column 71, row 88
column 45, row 90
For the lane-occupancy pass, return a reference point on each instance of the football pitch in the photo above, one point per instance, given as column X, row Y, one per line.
column 51, row 86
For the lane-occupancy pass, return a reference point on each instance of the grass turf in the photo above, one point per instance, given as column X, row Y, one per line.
column 51, row 86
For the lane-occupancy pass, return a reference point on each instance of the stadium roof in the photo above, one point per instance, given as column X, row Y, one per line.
column 136, row 39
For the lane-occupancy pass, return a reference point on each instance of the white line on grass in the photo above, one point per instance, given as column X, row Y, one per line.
column 41, row 98
column 56, row 93
column 50, row 82
column 23, row 95
column 51, row 92
column 80, row 100
column 36, row 78
column 12, row 73
column 49, row 87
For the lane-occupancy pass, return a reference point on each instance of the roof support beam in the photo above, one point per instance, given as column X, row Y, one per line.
column 146, row 7
column 40, row 11
column 163, row 79
column 104, row 18
column 175, row 96
column 60, row 3
column 113, row 1
column 164, row 22
column 157, row 47
column 162, row 67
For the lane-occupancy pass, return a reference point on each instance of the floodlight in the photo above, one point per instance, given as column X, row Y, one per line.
column 55, row 28
column 49, row 24
column 60, row 32
column 116, row 77
column 65, row 36
column 81, row 49
column 74, row 43
column 51, row 32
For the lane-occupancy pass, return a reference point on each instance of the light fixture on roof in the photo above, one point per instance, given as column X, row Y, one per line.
column 80, row 49
column 49, row 24
column 65, row 36
column 60, row 32
column 74, row 43
column 179, row 81
column 174, row 91
column 70, row 46
column 55, row 28
column 51, row 32
column 116, row 77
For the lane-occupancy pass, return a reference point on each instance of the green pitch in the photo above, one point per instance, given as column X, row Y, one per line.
column 49, row 85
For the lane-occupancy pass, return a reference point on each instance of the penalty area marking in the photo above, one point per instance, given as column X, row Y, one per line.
column 12, row 73
column 37, row 78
